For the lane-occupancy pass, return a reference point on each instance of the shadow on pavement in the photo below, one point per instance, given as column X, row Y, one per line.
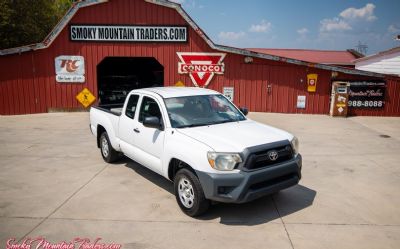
column 260, row 211
column 147, row 174
column 263, row 210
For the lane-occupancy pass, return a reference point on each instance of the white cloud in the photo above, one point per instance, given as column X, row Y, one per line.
column 364, row 13
column 303, row 31
column 393, row 29
column 335, row 24
column 350, row 19
column 226, row 36
column 262, row 27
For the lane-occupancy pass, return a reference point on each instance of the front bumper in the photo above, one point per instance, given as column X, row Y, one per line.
column 246, row 186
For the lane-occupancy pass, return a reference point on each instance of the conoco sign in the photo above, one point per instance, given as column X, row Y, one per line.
column 201, row 67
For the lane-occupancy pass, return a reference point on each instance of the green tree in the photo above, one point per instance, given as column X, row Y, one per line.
column 24, row 22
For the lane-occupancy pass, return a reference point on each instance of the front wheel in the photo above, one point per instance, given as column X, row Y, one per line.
column 107, row 151
column 189, row 193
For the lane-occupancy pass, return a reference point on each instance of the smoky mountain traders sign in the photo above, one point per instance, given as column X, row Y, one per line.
column 367, row 94
column 124, row 33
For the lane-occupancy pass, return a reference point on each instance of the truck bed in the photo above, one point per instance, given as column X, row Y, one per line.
column 108, row 118
column 115, row 109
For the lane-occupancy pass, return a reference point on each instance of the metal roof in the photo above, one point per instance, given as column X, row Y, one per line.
column 330, row 57
column 383, row 53
column 72, row 11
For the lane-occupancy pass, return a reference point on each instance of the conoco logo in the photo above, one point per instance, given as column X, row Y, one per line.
column 201, row 67
column 69, row 65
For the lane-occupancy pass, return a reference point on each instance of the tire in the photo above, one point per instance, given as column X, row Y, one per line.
column 107, row 151
column 189, row 193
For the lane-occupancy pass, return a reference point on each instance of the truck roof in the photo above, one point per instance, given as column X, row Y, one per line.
column 172, row 92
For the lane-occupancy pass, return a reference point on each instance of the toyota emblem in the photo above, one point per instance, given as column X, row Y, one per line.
column 273, row 155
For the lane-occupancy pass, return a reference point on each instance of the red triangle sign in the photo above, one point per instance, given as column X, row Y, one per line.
column 201, row 67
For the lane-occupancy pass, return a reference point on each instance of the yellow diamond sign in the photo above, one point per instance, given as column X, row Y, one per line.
column 85, row 97
column 179, row 83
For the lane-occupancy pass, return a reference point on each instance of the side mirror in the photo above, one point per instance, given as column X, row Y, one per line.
column 244, row 110
column 153, row 122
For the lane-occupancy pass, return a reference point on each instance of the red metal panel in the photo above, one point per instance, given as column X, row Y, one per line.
column 317, row 56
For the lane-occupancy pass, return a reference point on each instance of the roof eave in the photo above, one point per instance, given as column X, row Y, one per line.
column 382, row 53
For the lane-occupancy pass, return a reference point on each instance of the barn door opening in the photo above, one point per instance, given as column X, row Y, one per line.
column 117, row 76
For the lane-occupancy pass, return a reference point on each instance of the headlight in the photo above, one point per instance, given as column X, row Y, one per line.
column 223, row 161
column 295, row 145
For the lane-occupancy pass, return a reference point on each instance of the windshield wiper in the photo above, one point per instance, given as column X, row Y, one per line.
column 193, row 125
column 204, row 124
column 224, row 121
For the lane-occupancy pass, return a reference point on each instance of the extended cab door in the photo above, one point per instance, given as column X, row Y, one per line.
column 149, row 141
column 126, row 125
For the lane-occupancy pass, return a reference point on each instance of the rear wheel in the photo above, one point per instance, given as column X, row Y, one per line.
column 107, row 151
column 189, row 193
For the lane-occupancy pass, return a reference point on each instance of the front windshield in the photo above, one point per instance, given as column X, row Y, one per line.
column 191, row 111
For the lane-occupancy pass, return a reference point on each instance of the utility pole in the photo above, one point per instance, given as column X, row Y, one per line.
column 362, row 48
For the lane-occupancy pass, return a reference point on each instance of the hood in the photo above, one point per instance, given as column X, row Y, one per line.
column 236, row 136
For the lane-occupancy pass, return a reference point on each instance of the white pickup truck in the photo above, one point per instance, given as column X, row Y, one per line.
column 201, row 142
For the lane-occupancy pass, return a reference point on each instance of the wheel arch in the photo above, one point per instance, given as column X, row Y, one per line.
column 175, row 165
column 100, row 130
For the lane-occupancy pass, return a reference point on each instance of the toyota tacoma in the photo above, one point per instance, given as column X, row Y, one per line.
column 200, row 141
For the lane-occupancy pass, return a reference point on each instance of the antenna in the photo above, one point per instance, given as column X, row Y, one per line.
column 362, row 48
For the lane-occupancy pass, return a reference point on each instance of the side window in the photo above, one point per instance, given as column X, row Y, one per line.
column 131, row 106
column 149, row 108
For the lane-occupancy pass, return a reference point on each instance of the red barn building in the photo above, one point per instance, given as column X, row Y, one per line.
column 111, row 47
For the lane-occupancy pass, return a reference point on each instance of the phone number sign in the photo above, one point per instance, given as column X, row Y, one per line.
column 367, row 94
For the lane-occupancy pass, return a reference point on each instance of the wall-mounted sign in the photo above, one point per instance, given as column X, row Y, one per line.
column 201, row 67
column 301, row 102
column 367, row 94
column 228, row 92
column 70, row 69
column 126, row 33
column 85, row 97
column 312, row 82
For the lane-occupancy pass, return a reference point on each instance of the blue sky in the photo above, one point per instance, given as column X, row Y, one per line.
column 307, row 24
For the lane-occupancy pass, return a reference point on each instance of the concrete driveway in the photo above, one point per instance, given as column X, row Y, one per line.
column 54, row 183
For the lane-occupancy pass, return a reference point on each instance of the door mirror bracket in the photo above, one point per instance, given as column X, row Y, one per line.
column 244, row 110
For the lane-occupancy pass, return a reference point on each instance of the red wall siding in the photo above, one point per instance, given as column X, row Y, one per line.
column 27, row 80
column 286, row 82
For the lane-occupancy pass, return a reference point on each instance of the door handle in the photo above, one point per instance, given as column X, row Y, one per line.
column 136, row 130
